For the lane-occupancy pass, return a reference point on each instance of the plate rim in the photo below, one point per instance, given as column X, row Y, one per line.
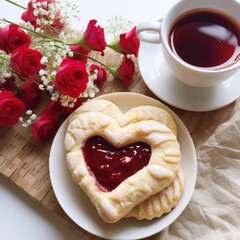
column 183, row 127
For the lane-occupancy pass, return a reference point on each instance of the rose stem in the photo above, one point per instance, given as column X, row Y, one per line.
column 16, row 4
column 27, row 77
column 41, row 34
column 57, row 40
column 4, row 58
column 93, row 59
column 11, row 82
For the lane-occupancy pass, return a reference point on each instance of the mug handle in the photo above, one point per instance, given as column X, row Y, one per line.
column 151, row 37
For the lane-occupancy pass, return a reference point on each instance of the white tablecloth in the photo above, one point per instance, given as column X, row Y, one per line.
column 214, row 210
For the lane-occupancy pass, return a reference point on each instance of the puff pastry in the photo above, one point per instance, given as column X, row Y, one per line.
column 161, row 170
column 160, row 203
column 134, row 115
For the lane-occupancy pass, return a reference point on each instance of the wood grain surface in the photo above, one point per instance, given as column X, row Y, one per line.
column 24, row 161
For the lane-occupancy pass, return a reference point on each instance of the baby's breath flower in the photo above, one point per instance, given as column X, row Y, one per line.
column 41, row 87
column 29, row 119
column 44, row 4
column 35, row 12
column 44, row 60
column 4, row 68
column 43, row 78
column 42, row 72
column 70, row 54
column 33, row 116
column 3, row 24
column 29, row 112
column 38, row 21
column 91, row 89
column 117, row 25
column 50, row 88
column 55, row 96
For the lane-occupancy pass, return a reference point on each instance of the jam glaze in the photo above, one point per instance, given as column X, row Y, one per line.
column 110, row 165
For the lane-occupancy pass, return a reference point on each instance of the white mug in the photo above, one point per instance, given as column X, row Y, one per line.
column 183, row 71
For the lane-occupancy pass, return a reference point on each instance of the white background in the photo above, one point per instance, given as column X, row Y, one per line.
column 20, row 217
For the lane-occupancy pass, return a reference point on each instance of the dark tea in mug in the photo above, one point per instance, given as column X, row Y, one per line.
column 206, row 38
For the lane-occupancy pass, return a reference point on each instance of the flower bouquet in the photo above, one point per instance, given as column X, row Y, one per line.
column 43, row 58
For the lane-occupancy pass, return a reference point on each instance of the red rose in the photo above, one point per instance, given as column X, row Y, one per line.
column 13, row 37
column 26, row 62
column 45, row 126
column 28, row 15
column 125, row 71
column 94, row 37
column 11, row 108
column 71, row 78
column 129, row 43
column 101, row 75
column 8, row 85
column 57, row 106
column 79, row 49
column 30, row 94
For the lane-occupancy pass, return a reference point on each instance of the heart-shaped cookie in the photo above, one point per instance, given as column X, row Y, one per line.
column 153, row 206
column 155, row 176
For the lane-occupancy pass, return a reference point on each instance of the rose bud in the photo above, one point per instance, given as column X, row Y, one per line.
column 125, row 71
column 30, row 94
column 127, row 43
column 93, row 38
column 101, row 74
column 45, row 126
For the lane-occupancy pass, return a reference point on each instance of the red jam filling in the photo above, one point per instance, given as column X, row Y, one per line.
column 110, row 165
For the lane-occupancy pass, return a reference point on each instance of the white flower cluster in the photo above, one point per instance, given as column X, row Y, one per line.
column 28, row 25
column 4, row 68
column 48, row 14
column 28, row 121
column 116, row 26
column 3, row 24
column 67, row 101
column 67, row 37
column 91, row 89
column 53, row 52
column 52, row 15
column 69, row 9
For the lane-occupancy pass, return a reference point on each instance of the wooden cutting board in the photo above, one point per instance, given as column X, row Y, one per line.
column 24, row 161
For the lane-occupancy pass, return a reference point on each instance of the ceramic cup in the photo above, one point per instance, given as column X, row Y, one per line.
column 158, row 32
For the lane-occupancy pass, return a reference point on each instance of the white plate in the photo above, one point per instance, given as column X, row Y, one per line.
column 79, row 208
column 165, row 86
